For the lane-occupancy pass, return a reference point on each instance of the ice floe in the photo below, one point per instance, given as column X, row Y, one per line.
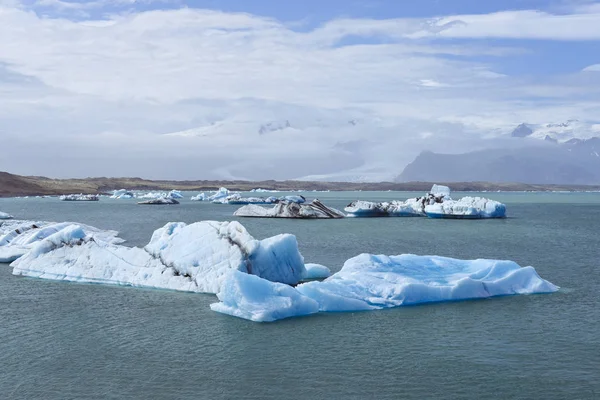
column 18, row 237
column 250, row 297
column 467, row 208
column 316, row 271
column 79, row 197
column 195, row 257
column 436, row 204
column 199, row 197
column 122, row 194
column 4, row 215
column 159, row 201
column 285, row 209
column 371, row 282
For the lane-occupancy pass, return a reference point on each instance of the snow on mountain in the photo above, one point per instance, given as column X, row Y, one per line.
column 559, row 132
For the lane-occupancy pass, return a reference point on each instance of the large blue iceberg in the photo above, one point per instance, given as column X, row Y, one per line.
column 371, row 282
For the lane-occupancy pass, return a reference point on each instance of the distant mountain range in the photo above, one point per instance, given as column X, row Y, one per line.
column 571, row 154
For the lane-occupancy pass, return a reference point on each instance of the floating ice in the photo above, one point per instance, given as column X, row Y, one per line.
column 284, row 209
column 175, row 194
column 440, row 191
column 436, row 204
column 316, row 271
column 408, row 208
column 199, row 197
column 468, row 208
column 4, row 215
column 122, row 194
column 370, row 282
column 256, row 299
column 79, row 197
column 195, row 257
column 159, row 201
column 19, row 237
column 220, row 194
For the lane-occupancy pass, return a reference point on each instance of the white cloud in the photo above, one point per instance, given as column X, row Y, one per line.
column 592, row 68
column 102, row 93
column 516, row 25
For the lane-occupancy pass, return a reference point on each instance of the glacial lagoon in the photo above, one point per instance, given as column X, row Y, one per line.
column 66, row 340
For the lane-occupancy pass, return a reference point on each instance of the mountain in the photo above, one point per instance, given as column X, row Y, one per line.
column 573, row 163
column 560, row 132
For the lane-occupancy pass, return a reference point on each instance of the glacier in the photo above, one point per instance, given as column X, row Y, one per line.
column 4, row 215
column 373, row 282
column 284, row 209
column 19, row 237
column 195, row 257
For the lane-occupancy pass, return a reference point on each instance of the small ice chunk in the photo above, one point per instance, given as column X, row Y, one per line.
column 316, row 271
column 250, row 297
column 4, row 215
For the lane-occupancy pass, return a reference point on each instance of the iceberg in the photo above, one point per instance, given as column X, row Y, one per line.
column 194, row 258
column 408, row 208
column 285, row 209
column 199, row 197
column 19, row 237
column 373, row 282
column 316, row 271
column 79, row 197
column 435, row 204
column 175, row 194
column 467, row 208
column 250, row 297
column 4, row 215
column 220, row 194
column 122, row 194
column 159, row 201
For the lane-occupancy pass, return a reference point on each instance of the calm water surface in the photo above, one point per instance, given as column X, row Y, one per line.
column 69, row 341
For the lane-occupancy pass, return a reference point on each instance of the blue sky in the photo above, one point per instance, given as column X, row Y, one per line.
column 122, row 82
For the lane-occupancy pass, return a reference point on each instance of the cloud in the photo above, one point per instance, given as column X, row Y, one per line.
column 516, row 25
column 110, row 95
column 592, row 68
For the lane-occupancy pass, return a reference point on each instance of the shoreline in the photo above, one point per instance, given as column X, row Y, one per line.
column 18, row 186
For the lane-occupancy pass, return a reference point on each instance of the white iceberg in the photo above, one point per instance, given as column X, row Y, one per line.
column 436, row 204
column 316, row 271
column 199, row 197
column 79, row 197
column 467, row 208
column 293, row 199
column 440, row 191
column 175, row 194
column 195, row 257
column 122, row 194
column 408, row 208
column 370, row 282
column 151, row 195
column 19, row 237
column 284, row 209
column 4, row 215
column 220, row 194
column 250, row 297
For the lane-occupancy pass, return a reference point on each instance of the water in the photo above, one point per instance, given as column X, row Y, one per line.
column 63, row 340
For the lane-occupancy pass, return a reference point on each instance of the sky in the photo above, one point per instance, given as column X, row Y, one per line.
column 268, row 89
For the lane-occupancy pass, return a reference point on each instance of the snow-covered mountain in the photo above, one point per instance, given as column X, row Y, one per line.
column 560, row 132
column 264, row 127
